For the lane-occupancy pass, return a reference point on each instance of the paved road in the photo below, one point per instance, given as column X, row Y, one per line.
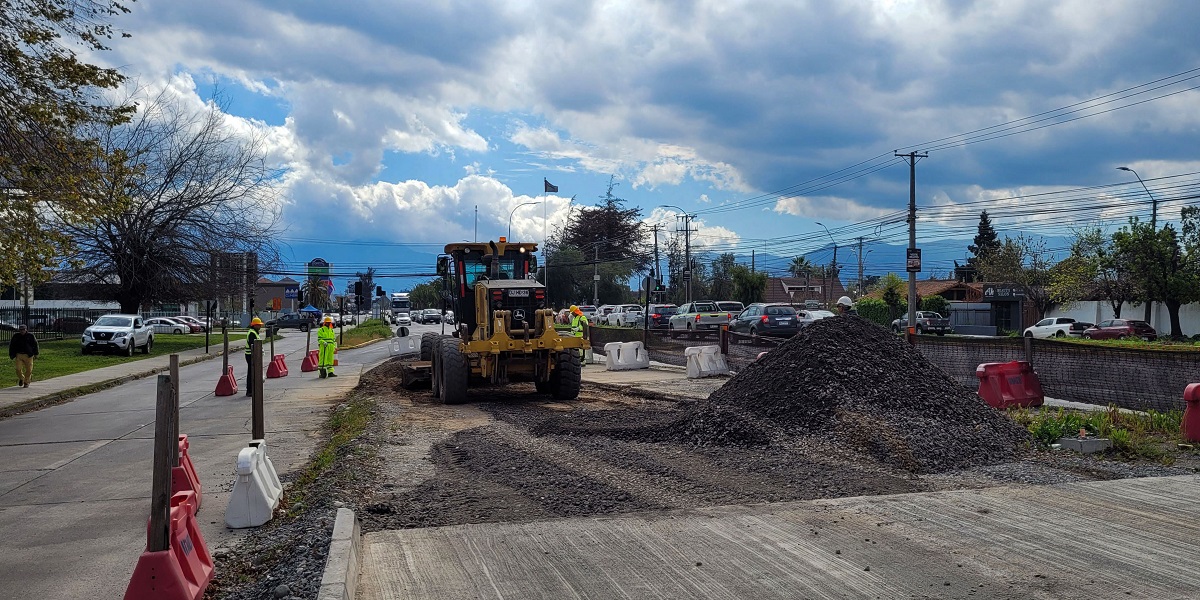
column 75, row 478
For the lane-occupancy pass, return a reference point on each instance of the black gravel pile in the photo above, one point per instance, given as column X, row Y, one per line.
column 851, row 380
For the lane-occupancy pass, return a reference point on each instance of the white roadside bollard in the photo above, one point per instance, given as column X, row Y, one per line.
column 632, row 355
column 705, row 361
column 256, row 491
column 612, row 352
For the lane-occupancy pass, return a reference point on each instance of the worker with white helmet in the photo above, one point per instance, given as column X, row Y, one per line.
column 327, row 344
column 846, row 306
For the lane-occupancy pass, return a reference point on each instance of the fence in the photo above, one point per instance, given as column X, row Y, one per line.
column 60, row 323
column 1127, row 377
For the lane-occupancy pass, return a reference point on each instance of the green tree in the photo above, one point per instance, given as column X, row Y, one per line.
column 936, row 304
column 426, row 295
column 875, row 310
column 48, row 95
column 1163, row 263
column 316, row 293
column 1024, row 261
column 893, row 294
column 722, row 283
column 611, row 240
column 799, row 267
column 748, row 287
column 985, row 243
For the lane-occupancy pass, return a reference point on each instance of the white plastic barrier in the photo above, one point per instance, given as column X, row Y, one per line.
column 623, row 356
column 405, row 345
column 257, row 490
column 705, row 361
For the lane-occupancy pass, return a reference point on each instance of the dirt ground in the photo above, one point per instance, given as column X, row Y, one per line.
column 510, row 454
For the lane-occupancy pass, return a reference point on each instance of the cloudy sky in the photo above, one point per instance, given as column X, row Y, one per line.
column 394, row 120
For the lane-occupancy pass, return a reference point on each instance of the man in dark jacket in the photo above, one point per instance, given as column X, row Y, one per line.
column 23, row 348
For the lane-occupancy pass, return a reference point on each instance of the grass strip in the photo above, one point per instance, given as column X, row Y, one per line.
column 1147, row 435
column 348, row 421
column 370, row 329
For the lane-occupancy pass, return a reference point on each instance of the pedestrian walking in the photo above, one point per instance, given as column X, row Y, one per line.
column 327, row 344
column 252, row 335
column 23, row 348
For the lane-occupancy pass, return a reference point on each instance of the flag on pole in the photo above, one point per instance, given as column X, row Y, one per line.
column 550, row 188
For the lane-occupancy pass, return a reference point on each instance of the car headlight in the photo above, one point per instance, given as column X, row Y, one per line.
column 87, row 333
column 120, row 335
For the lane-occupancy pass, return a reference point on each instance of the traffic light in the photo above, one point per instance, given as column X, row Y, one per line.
column 300, row 297
column 379, row 291
column 357, row 288
column 659, row 287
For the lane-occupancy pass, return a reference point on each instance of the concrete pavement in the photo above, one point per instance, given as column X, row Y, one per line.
column 75, row 478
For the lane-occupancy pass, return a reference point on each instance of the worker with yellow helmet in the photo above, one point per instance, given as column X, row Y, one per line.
column 327, row 345
column 252, row 335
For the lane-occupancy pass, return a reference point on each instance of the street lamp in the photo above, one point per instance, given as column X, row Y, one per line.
column 1153, row 226
column 687, row 251
column 832, row 265
column 510, row 216
column 1153, row 200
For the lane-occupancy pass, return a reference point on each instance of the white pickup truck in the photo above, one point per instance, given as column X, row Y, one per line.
column 698, row 318
column 118, row 333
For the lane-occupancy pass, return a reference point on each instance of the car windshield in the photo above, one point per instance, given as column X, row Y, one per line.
column 114, row 322
column 664, row 310
column 704, row 307
column 734, row 306
column 780, row 311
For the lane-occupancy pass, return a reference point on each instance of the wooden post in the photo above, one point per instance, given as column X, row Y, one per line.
column 158, row 536
column 225, row 352
column 271, row 334
column 258, row 427
column 174, row 371
column 1028, row 349
column 307, row 340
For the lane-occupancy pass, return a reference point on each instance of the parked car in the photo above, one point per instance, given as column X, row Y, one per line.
column 119, row 333
column 697, row 318
column 71, row 324
column 927, row 322
column 600, row 317
column 730, row 306
column 194, row 321
column 661, row 313
column 1119, row 329
column 1056, row 327
column 292, row 321
column 168, row 325
column 808, row 317
column 625, row 315
column 7, row 326
column 589, row 312
column 777, row 320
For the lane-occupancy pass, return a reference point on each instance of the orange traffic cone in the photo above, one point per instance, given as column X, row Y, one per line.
column 335, row 360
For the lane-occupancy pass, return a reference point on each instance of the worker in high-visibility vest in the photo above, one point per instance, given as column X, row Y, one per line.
column 327, row 345
column 579, row 321
column 252, row 335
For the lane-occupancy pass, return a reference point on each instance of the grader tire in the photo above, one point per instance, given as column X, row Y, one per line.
column 427, row 344
column 453, row 372
column 564, row 381
column 435, row 369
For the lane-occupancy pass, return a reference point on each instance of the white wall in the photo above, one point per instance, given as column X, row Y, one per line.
column 1160, row 320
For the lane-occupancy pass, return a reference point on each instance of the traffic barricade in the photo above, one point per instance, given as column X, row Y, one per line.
column 256, row 491
column 1014, row 383
column 275, row 368
column 705, row 361
column 1191, row 414
column 183, row 476
column 629, row 356
column 310, row 362
column 181, row 572
column 227, row 384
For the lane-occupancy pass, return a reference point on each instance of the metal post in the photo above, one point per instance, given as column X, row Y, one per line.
column 912, row 234
column 596, row 277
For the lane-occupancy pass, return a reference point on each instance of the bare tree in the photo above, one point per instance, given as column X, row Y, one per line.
column 194, row 190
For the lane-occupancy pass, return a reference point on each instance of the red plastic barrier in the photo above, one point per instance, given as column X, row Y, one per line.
column 1191, row 414
column 183, row 476
column 181, row 572
column 273, row 368
column 1009, row 384
column 227, row 385
column 310, row 361
column 279, row 358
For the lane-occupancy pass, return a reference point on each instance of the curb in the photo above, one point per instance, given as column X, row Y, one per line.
column 340, row 580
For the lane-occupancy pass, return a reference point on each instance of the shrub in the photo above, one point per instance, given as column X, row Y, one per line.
column 875, row 310
column 936, row 304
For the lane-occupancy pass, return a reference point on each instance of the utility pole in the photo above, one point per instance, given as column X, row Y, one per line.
column 911, row 158
column 752, row 261
column 596, row 277
column 860, row 266
column 687, row 257
column 657, row 273
column 832, row 274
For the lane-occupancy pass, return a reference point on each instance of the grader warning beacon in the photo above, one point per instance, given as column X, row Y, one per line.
column 503, row 330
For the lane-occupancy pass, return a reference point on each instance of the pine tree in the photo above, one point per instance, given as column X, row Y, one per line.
column 986, row 242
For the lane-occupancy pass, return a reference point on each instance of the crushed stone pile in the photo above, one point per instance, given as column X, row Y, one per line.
column 849, row 380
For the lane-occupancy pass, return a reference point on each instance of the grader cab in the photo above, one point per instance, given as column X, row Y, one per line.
column 504, row 330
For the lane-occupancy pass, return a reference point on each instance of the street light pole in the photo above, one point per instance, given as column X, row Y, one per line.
column 687, row 251
column 1153, row 227
column 832, row 265
column 1153, row 200
column 510, row 216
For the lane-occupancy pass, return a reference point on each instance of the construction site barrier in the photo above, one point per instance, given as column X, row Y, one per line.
column 1191, row 413
column 1008, row 384
column 256, row 491
column 624, row 356
column 183, row 476
column 402, row 346
column 181, row 572
column 227, row 384
column 310, row 361
column 705, row 361
column 276, row 368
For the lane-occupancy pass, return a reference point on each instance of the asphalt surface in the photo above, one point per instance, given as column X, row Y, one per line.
column 75, row 478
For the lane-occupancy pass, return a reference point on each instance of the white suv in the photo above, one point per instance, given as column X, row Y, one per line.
column 121, row 333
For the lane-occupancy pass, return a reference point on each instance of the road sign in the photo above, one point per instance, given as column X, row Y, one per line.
column 276, row 303
column 914, row 260
column 291, row 291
